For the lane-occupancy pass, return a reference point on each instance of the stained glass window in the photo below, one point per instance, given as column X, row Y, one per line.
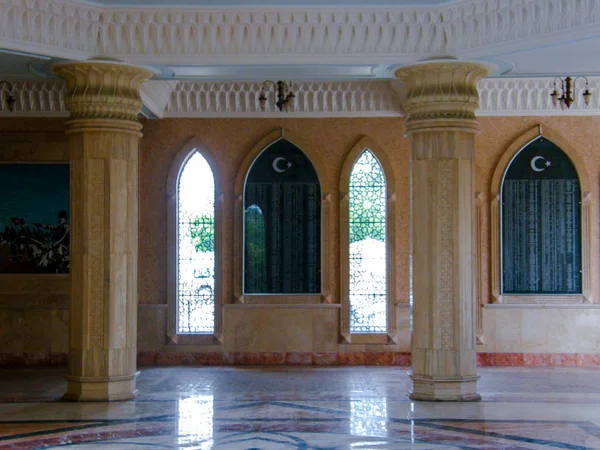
column 282, row 223
column 367, row 230
column 196, row 248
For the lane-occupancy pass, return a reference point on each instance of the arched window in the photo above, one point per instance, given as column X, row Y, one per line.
column 282, row 223
column 196, row 248
column 541, row 222
column 367, row 253
column 367, row 250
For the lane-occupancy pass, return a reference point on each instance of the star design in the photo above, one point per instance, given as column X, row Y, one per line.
column 548, row 163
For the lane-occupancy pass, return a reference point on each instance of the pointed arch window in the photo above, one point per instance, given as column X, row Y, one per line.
column 367, row 288
column 541, row 222
column 196, row 248
column 367, row 250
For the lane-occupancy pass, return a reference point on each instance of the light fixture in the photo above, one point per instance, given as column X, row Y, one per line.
column 564, row 95
column 284, row 96
column 10, row 100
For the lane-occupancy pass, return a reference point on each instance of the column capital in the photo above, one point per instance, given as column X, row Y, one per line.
column 101, row 89
column 441, row 90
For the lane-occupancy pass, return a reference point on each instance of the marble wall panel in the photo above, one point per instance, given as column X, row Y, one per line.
column 541, row 330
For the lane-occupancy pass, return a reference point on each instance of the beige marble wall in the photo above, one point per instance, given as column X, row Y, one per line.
column 269, row 328
column 505, row 330
column 541, row 330
column 230, row 140
column 525, row 329
column 262, row 328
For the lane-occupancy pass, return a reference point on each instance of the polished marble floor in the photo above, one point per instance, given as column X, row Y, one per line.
column 304, row 408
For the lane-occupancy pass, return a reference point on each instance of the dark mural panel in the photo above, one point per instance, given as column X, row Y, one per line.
column 34, row 218
column 541, row 223
column 282, row 223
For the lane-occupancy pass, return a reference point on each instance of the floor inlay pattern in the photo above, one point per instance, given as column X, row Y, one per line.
column 303, row 408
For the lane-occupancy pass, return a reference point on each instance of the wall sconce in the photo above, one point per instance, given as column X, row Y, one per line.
column 566, row 92
column 284, row 96
column 10, row 100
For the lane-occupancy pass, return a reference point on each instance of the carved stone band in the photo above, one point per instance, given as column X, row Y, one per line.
column 442, row 90
column 103, row 90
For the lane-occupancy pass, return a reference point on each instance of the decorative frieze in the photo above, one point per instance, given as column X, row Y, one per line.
column 71, row 28
column 327, row 98
column 37, row 98
column 497, row 97
column 531, row 97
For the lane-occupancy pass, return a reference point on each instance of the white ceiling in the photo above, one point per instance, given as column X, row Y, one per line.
column 579, row 57
column 15, row 65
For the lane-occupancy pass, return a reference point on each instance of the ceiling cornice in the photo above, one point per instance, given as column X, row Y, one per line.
column 185, row 35
column 201, row 99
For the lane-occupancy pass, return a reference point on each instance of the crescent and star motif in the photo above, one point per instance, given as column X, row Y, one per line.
column 276, row 166
column 535, row 167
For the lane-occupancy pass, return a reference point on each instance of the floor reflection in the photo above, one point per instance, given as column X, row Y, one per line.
column 368, row 417
column 195, row 421
column 305, row 409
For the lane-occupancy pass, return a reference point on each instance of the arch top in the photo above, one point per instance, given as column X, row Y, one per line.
column 185, row 152
column 266, row 142
column 366, row 143
column 529, row 137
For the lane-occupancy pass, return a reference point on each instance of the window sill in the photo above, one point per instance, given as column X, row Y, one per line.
column 195, row 339
column 542, row 306
column 368, row 338
column 278, row 299
column 541, row 300
column 281, row 305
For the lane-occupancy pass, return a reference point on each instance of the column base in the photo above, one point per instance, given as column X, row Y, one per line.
column 100, row 389
column 445, row 389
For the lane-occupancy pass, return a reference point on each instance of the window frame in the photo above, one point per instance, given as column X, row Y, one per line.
column 390, row 336
column 325, row 296
column 191, row 147
column 497, row 296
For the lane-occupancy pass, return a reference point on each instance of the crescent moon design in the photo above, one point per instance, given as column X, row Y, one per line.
column 276, row 167
column 534, row 166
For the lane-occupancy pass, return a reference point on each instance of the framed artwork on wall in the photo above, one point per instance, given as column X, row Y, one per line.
column 34, row 218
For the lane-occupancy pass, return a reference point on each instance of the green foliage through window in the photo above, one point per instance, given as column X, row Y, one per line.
column 202, row 231
column 367, row 200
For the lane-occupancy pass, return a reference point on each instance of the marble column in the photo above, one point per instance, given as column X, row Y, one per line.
column 104, row 134
column 440, row 106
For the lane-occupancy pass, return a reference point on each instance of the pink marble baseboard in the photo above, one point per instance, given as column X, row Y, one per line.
column 538, row 359
column 274, row 358
column 311, row 358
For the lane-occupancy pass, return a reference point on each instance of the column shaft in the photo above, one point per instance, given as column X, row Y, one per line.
column 104, row 138
column 441, row 126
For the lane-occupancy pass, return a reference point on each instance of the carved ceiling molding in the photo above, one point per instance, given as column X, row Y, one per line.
column 498, row 97
column 323, row 99
column 43, row 98
column 153, row 35
column 531, row 97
